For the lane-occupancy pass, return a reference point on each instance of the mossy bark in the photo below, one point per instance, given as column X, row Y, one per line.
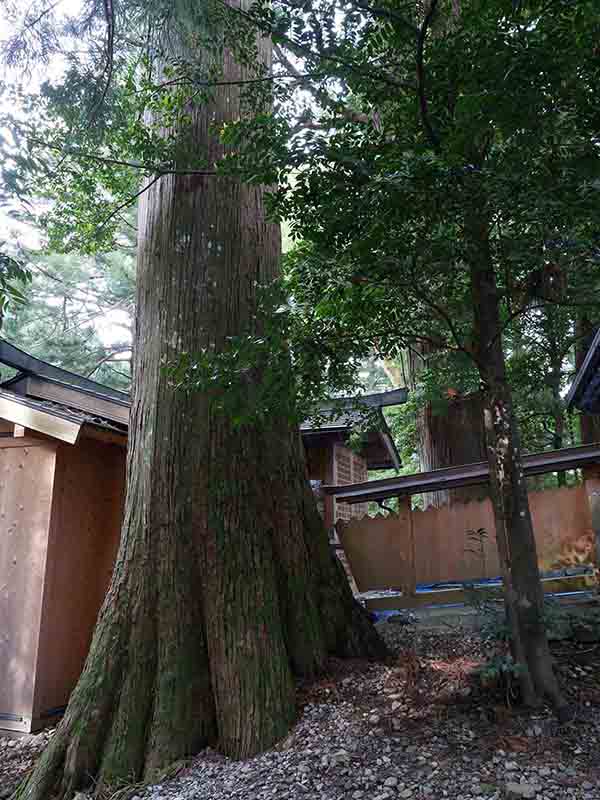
column 225, row 587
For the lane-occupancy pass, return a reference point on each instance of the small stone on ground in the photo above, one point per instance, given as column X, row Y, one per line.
column 417, row 728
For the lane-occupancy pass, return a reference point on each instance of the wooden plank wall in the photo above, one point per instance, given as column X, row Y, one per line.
column 442, row 546
column 24, row 525
column 592, row 485
column 86, row 522
column 349, row 467
column 562, row 521
column 378, row 548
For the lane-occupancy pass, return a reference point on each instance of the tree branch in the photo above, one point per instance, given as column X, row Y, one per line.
column 44, row 13
column 107, row 72
column 149, row 168
column 296, row 75
column 130, row 201
column 381, row 75
column 109, row 357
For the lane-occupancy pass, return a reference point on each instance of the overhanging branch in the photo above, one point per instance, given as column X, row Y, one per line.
column 151, row 169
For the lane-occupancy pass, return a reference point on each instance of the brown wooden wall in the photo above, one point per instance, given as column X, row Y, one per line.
column 87, row 511
column 319, row 463
column 378, row 547
column 348, row 467
column 441, row 543
column 26, row 486
column 379, row 550
column 334, row 463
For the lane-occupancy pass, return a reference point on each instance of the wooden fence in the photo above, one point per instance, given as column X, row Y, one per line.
column 412, row 547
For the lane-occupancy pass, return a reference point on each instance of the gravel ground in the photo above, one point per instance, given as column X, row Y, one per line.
column 417, row 727
column 17, row 756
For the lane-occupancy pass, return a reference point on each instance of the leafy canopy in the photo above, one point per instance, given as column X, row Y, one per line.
column 427, row 125
column 396, row 128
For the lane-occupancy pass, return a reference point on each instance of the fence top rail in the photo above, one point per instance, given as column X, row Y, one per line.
column 464, row 475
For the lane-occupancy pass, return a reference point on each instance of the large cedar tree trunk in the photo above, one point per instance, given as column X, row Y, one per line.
column 514, row 531
column 451, row 439
column 224, row 587
column 447, row 439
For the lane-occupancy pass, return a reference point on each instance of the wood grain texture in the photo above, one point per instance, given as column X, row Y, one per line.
column 26, row 486
column 378, row 548
column 87, row 512
column 73, row 398
column 38, row 420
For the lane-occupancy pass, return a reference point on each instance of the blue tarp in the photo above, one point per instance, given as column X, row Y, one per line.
column 425, row 588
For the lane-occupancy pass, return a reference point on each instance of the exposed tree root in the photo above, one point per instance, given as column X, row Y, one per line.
column 196, row 644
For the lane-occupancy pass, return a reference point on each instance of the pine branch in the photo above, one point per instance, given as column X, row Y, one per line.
column 109, row 357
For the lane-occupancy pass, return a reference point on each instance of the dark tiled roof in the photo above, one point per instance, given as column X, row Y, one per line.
column 348, row 414
column 84, row 417
column 585, row 389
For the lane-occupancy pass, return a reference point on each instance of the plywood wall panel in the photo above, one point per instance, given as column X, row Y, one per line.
column 443, row 545
column 562, row 522
column 592, row 487
column 26, row 485
column 379, row 550
column 84, row 534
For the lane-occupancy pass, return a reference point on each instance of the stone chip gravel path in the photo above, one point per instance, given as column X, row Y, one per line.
column 416, row 728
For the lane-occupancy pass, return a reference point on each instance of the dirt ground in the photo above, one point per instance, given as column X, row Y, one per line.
column 419, row 726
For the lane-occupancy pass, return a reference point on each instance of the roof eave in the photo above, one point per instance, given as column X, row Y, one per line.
column 23, row 362
column 27, row 413
column 584, row 373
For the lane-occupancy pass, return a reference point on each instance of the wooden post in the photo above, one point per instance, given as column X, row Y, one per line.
column 329, row 513
column 591, row 477
column 330, row 503
column 405, row 519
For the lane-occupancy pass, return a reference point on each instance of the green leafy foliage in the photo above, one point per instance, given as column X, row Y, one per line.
column 389, row 127
column 103, row 127
column 500, row 670
column 499, row 130
column 281, row 372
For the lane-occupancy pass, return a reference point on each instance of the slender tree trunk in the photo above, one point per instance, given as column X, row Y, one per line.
column 514, row 530
column 559, row 436
column 555, row 379
column 225, row 587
